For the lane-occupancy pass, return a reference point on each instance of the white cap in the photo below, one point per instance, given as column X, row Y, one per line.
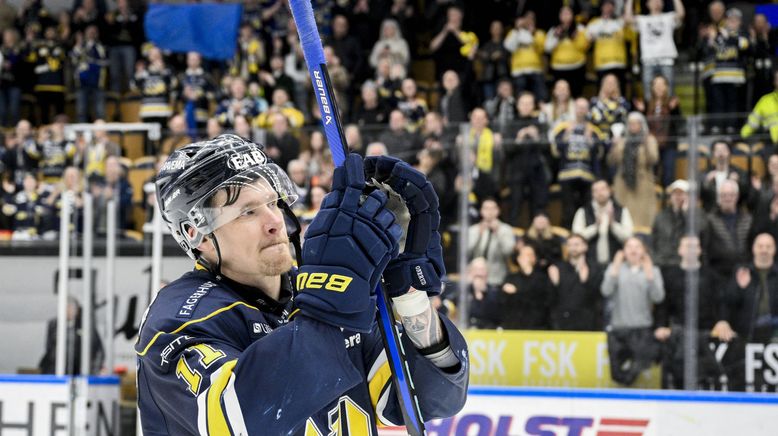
column 681, row 184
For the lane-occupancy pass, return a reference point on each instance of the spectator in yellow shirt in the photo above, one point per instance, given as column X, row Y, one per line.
column 280, row 104
column 526, row 44
column 567, row 45
column 610, row 50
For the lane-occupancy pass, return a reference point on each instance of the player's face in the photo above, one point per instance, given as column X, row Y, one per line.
column 255, row 243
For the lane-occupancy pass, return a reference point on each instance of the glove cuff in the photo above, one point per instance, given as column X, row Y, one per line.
column 401, row 274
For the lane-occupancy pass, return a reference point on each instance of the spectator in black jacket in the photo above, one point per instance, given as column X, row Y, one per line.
column 766, row 215
column 49, row 59
column 525, row 172
column 47, row 363
column 762, row 188
column 11, row 68
column 526, row 294
column 727, row 231
column 370, row 110
column 453, row 106
column 721, row 170
column 399, row 141
column 281, row 145
column 575, row 302
column 90, row 61
column 484, row 299
column 548, row 246
column 124, row 34
column 494, row 58
column 752, row 298
column 671, row 224
column 670, row 315
column 347, row 48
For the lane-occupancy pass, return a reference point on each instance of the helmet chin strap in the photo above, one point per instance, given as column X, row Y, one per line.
column 213, row 269
column 294, row 236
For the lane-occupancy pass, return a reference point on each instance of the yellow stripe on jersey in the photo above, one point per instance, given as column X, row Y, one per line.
column 217, row 422
column 376, row 386
column 194, row 321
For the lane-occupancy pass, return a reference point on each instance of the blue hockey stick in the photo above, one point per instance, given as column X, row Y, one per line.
column 333, row 129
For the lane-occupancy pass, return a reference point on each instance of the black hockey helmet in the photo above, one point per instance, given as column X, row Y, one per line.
column 193, row 174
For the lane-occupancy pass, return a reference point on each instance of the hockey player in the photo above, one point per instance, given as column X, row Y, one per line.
column 245, row 344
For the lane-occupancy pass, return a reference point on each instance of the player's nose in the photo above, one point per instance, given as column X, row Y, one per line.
column 272, row 221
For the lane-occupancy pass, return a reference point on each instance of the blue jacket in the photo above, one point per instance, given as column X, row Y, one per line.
column 216, row 358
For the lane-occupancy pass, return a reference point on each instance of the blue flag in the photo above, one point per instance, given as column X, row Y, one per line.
column 210, row 29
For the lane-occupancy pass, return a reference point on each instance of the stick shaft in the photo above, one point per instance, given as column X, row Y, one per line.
column 333, row 130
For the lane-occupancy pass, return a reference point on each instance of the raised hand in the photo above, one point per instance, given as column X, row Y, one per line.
column 347, row 247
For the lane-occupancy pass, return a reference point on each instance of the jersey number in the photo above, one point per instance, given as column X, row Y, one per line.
column 192, row 377
column 331, row 282
column 345, row 419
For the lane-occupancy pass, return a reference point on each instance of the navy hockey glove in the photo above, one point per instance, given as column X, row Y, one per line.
column 347, row 247
column 421, row 263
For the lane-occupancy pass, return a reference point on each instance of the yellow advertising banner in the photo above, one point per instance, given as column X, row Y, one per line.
column 540, row 358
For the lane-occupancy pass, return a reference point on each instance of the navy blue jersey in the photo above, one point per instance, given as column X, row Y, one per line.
column 215, row 358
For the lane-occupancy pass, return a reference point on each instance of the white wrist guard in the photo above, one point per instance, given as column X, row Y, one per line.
column 411, row 304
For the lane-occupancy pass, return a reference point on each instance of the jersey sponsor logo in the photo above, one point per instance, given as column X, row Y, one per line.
column 191, row 303
column 171, row 349
column 353, row 340
column 241, row 161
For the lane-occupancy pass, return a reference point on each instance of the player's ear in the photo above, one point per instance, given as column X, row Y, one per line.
column 205, row 245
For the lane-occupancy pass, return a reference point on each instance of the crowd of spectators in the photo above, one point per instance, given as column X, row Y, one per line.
column 579, row 95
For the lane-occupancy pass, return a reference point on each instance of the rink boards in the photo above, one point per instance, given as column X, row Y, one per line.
column 38, row 405
column 492, row 411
